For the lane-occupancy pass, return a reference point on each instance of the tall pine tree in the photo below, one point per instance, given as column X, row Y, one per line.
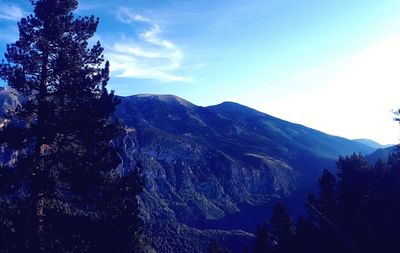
column 307, row 237
column 327, row 202
column 355, row 178
column 264, row 239
column 63, row 190
column 328, row 213
column 282, row 228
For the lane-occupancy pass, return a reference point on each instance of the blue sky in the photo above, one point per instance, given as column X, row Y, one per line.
column 330, row 65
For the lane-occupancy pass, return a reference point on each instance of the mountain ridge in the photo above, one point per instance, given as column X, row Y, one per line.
column 206, row 163
column 373, row 143
column 381, row 154
column 168, row 98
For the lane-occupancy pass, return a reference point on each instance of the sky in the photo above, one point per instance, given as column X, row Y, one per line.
column 330, row 65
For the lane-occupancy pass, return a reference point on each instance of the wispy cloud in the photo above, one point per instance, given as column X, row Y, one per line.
column 148, row 55
column 10, row 12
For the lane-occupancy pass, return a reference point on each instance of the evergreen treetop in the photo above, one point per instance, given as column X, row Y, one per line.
column 64, row 181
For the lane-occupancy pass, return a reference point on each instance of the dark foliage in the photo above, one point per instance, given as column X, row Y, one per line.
column 356, row 212
column 264, row 239
column 282, row 228
column 62, row 191
column 215, row 247
column 307, row 237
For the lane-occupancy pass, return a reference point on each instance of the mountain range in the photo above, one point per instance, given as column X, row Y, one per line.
column 211, row 173
column 373, row 144
column 208, row 167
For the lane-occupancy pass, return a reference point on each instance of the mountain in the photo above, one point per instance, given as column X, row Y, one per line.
column 212, row 173
column 372, row 144
column 203, row 165
column 381, row 154
column 287, row 134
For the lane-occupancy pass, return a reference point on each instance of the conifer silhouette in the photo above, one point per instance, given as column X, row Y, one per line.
column 62, row 191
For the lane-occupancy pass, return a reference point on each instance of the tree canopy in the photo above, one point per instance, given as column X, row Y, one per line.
column 61, row 188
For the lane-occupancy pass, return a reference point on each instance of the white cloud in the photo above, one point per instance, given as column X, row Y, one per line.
column 149, row 56
column 10, row 12
column 351, row 98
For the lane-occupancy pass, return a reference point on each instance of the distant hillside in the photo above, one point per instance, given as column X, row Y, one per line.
column 287, row 134
column 381, row 153
column 372, row 144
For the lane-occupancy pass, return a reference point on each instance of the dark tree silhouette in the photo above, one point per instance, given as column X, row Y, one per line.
column 311, row 206
column 358, row 213
column 331, row 235
column 62, row 189
column 215, row 247
column 282, row 228
column 264, row 241
column 327, row 202
column 308, row 237
column 355, row 177
column 384, row 207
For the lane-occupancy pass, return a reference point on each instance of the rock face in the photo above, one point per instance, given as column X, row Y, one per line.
column 205, row 163
column 8, row 101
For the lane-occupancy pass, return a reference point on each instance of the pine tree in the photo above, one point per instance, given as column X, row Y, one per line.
column 383, row 213
column 332, row 236
column 308, row 237
column 327, row 201
column 355, row 177
column 216, row 247
column 264, row 239
column 282, row 228
column 63, row 190
column 354, row 187
column 311, row 207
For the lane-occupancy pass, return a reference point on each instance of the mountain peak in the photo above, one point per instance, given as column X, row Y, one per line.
column 236, row 109
column 232, row 105
column 167, row 98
